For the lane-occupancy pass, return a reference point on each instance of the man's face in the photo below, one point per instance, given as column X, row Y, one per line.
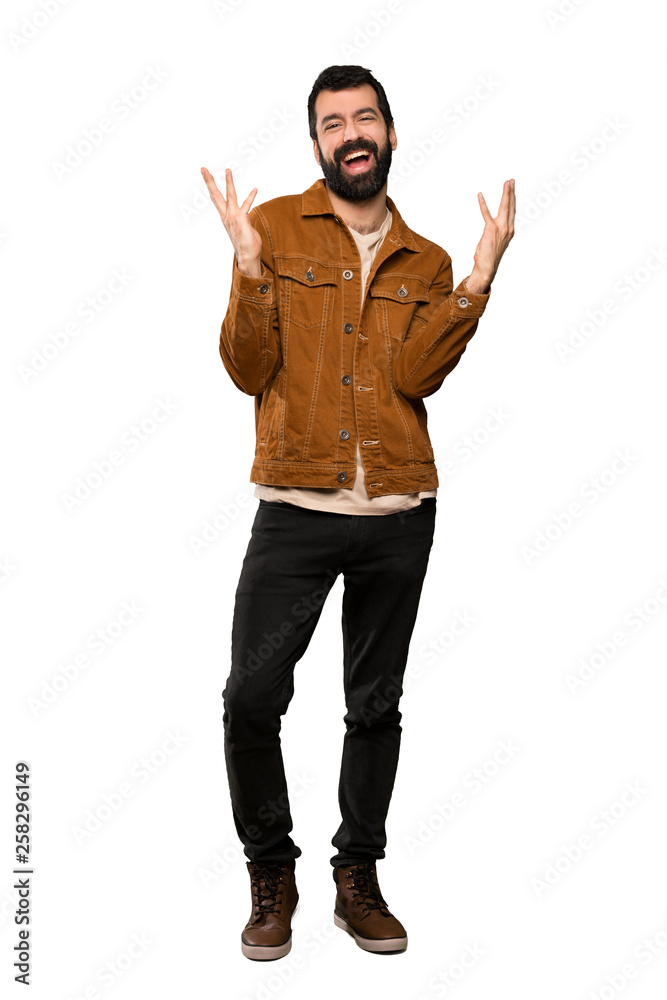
column 349, row 121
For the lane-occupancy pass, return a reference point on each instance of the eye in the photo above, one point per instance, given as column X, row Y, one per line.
column 365, row 118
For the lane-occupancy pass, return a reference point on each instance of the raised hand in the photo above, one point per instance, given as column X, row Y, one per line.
column 245, row 239
column 495, row 239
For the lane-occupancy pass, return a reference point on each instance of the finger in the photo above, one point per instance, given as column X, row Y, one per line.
column 231, row 190
column 512, row 209
column 509, row 210
column 213, row 190
column 503, row 208
column 484, row 207
column 245, row 207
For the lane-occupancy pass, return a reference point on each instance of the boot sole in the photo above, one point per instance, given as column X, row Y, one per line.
column 372, row 944
column 264, row 953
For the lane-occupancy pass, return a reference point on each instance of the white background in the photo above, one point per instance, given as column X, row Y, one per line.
column 494, row 878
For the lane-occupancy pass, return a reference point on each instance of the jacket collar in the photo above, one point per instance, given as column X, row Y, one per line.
column 315, row 201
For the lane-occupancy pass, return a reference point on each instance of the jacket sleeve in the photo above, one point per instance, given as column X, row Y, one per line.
column 438, row 335
column 250, row 337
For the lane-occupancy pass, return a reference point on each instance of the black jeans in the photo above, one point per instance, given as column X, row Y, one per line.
column 293, row 559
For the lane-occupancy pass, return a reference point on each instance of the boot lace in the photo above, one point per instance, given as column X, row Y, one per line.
column 366, row 890
column 266, row 880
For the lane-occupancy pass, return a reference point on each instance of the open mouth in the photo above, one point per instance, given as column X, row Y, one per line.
column 357, row 161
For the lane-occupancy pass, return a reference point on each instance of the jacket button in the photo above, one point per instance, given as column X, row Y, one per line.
column 347, row 275
column 348, row 328
column 263, row 289
column 463, row 302
column 341, row 477
column 309, row 275
column 346, row 380
column 402, row 291
column 344, row 434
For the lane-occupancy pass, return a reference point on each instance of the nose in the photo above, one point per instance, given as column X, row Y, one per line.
column 351, row 131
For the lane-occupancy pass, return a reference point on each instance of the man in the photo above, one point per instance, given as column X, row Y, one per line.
column 340, row 321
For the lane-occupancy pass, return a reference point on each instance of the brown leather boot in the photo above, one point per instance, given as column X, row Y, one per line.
column 362, row 912
column 268, row 933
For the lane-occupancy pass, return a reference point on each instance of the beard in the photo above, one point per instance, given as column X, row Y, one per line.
column 361, row 186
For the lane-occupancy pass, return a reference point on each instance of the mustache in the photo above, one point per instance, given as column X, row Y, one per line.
column 365, row 145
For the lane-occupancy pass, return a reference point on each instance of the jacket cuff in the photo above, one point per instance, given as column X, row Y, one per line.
column 467, row 304
column 258, row 290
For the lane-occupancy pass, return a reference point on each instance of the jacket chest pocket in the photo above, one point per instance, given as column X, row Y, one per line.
column 395, row 299
column 306, row 292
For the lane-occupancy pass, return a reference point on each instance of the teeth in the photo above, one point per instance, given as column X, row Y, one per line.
column 352, row 156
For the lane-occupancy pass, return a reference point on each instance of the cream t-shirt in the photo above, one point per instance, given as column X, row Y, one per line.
column 356, row 500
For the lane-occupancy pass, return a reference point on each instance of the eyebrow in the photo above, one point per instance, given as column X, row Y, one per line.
column 337, row 114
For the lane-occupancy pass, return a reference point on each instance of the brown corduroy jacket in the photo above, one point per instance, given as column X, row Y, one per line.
column 323, row 370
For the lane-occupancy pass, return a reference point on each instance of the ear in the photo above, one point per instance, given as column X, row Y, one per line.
column 316, row 151
column 391, row 135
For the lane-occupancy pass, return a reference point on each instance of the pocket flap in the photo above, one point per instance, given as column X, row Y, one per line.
column 301, row 269
column 400, row 288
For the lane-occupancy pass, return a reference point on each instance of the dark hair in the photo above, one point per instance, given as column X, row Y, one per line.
column 340, row 78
